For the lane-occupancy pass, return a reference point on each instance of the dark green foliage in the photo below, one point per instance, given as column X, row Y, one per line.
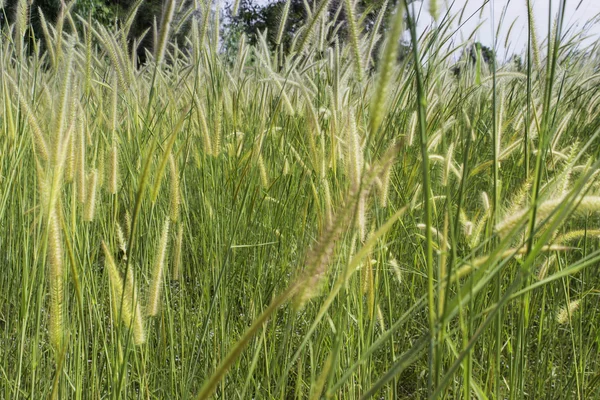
column 488, row 56
column 252, row 18
column 104, row 12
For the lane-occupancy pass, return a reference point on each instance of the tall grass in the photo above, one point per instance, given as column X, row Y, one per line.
column 291, row 222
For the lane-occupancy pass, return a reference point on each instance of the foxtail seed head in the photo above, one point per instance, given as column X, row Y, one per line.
column 563, row 315
column 56, row 280
column 124, row 298
column 90, row 204
column 158, row 271
column 177, row 254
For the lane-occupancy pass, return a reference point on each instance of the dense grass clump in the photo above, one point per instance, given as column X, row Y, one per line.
column 315, row 220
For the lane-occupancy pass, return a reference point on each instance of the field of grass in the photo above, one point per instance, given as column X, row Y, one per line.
column 318, row 221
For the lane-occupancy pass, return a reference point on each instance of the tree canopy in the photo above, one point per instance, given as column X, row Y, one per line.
column 240, row 17
column 252, row 18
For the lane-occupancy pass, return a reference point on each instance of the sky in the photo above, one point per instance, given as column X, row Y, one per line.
column 578, row 12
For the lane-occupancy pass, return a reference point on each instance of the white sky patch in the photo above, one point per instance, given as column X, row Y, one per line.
column 505, row 12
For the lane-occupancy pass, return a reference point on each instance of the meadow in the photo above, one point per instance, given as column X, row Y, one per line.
column 344, row 216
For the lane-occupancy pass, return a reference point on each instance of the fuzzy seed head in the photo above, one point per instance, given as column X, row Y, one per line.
column 125, row 301
column 264, row 177
column 121, row 240
column 56, row 281
column 81, row 178
column 158, row 272
column 90, row 204
column 177, row 254
column 434, row 10
column 563, row 316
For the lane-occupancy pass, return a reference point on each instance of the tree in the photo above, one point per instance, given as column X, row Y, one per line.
column 470, row 55
column 252, row 18
column 487, row 54
column 104, row 12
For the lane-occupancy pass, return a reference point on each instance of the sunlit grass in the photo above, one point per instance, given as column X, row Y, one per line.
column 293, row 223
